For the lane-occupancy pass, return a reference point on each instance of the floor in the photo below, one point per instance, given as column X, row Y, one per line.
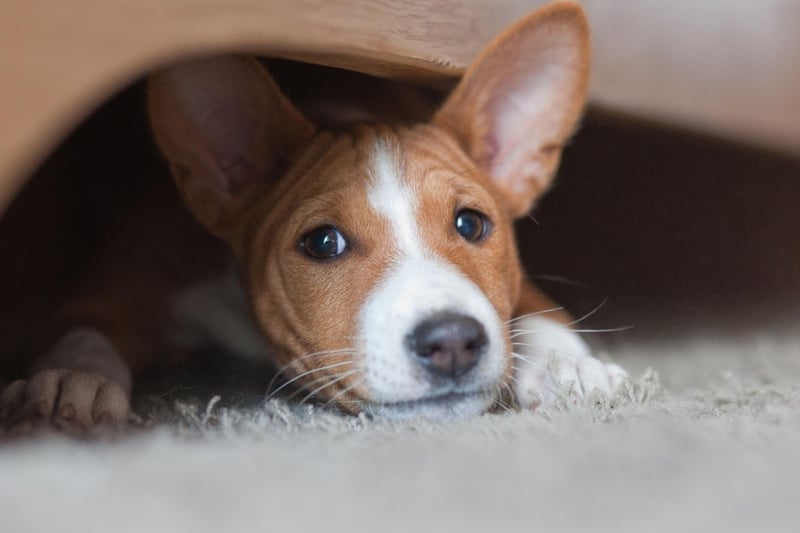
column 705, row 439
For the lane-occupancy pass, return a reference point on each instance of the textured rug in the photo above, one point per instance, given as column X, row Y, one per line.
column 706, row 438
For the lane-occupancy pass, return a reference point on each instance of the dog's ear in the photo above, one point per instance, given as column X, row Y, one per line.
column 520, row 100
column 225, row 129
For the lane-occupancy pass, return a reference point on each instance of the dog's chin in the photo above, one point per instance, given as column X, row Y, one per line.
column 448, row 407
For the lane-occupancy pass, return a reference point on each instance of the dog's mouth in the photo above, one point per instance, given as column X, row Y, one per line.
column 450, row 406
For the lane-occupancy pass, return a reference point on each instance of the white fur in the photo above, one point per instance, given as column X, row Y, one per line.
column 551, row 358
column 391, row 198
column 417, row 285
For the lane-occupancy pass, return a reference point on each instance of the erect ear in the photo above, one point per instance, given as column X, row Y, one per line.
column 225, row 129
column 520, row 100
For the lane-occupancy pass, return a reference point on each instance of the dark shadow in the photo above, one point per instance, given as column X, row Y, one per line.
column 682, row 234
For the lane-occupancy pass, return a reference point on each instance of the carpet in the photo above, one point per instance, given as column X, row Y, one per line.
column 706, row 438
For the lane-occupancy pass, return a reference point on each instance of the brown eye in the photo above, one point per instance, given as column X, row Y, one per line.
column 473, row 225
column 323, row 242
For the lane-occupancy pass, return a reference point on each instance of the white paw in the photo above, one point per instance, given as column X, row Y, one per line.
column 551, row 360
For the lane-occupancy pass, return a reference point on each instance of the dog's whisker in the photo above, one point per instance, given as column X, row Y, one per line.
column 587, row 315
column 516, row 333
column 337, row 379
column 537, row 313
column 359, row 402
column 498, row 396
column 344, row 391
column 306, row 373
column 604, row 330
column 313, row 382
column 531, row 345
column 511, row 394
column 531, row 217
column 500, row 403
column 559, row 279
column 548, row 350
column 281, row 370
column 534, row 364
column 560, row 308
column 544, row 365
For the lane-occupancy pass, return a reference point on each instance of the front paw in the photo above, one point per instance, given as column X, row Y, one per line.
column 563, row 376
column 551, row 361
column 72, row 399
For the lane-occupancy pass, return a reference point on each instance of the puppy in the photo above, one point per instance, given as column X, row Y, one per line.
column 373, row 260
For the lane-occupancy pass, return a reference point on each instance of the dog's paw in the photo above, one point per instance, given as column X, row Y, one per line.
column 551, row 362
column 71, row 399
column 576, row 379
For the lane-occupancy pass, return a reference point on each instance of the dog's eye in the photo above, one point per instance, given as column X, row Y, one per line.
column 472, row 225
column 323, row 242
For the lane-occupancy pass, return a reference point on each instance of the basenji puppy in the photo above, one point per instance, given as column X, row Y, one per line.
column 377, row 257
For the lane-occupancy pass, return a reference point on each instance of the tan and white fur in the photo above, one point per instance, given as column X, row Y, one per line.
column 377, row 259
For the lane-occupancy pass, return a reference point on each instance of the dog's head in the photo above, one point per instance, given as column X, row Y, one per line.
column 381, row 262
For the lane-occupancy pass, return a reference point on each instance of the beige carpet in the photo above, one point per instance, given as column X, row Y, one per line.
column 714, row 447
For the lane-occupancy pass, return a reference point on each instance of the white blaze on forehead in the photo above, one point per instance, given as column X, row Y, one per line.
column 394, row 200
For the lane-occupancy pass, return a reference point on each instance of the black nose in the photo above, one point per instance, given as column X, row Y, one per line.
column 448, row 344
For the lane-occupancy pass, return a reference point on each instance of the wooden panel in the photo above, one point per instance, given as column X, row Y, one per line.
column 727, row 67
column 60, row 59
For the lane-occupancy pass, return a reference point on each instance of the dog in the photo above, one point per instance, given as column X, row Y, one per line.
column 373, row 260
